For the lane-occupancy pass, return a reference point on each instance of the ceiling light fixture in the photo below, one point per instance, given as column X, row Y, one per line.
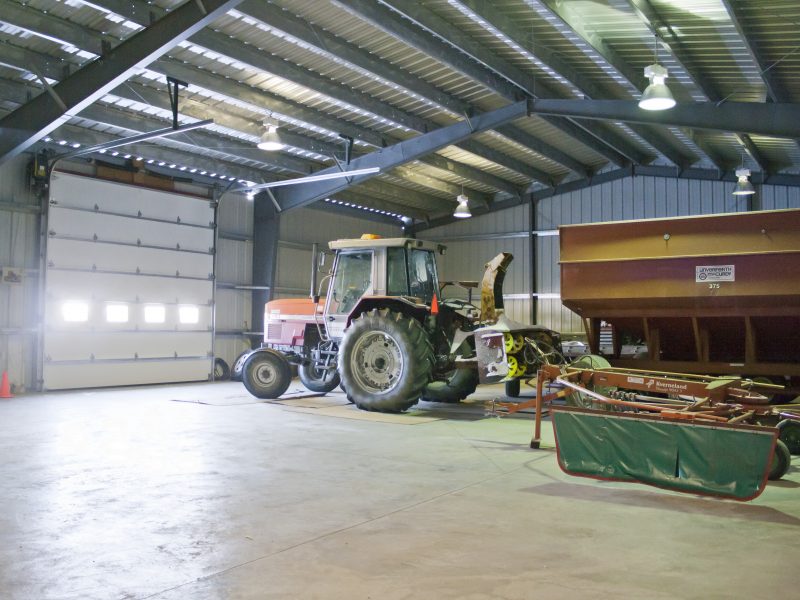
column 270, row 140
column 743, row 186
column 656, row 96
column 462, row 210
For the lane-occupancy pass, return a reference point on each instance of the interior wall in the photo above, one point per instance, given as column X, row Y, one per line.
column 474, row 241
column 19, row 282
column 299, row 229
column 234, row 272
column 471, row 243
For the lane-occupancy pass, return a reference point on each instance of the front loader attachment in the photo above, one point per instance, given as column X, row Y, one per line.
column 717, row 459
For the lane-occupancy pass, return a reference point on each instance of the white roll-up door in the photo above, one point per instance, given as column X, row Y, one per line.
column 128, row 285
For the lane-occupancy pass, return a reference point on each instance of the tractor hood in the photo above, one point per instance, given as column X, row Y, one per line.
column 285, row 308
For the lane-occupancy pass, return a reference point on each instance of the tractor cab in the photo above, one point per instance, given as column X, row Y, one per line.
column 375, row 266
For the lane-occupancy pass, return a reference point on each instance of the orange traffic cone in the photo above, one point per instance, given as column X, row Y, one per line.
column 5, row 387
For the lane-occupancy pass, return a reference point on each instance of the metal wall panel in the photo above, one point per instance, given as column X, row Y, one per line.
column 235, row 215
column 235, row 261
column 19, row 255
column 293, row 272
column 234, row 266
column 774, row 197
column 112, row 243
column 308, row 225
column 233, row 312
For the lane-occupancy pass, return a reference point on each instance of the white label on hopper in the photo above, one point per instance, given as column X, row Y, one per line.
column 714, row 273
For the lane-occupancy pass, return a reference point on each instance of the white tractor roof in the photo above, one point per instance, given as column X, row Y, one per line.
column 384, row 243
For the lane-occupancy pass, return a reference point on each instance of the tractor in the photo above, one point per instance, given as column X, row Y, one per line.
column 386, row 334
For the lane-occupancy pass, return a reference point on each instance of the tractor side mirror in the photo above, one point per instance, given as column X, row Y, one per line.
column 442, row 249
column 322, row 257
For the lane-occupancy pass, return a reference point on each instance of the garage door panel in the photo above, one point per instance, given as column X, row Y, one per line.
column 98, row 321
column 100, row 314
column 72, row 254
column 104, row 196
column 65, row 285
column 64, row 346
column 104, row 374
column 86, row 225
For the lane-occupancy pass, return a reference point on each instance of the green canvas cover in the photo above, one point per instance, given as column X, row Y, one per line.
column 731, row 461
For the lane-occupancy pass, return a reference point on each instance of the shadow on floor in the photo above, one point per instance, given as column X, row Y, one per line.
column 662, row 501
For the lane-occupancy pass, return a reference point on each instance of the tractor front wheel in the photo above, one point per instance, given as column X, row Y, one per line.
column 266, row 374
column 317, row 379
column 385, row 361
column 458, row 383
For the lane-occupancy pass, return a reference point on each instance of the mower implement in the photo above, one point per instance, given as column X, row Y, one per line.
column 688, row 433
column 695, row 456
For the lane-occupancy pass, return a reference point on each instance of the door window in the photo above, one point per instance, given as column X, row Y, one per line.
column 397, row 274
column 422, row 274
column 352, row 279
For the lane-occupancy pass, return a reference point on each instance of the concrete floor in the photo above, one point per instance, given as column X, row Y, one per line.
column 144, row 493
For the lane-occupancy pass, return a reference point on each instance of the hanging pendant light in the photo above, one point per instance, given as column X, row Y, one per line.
column 656, row 96
column 462, row 210
column 743, row 186
column 270, row 140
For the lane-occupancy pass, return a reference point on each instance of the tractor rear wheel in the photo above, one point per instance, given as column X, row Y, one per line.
column 385, row 361
column 266, row 374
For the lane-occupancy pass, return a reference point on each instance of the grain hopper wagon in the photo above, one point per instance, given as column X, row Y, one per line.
column 717, row 294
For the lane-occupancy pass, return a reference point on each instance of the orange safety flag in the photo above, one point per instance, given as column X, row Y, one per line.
column 434, row 305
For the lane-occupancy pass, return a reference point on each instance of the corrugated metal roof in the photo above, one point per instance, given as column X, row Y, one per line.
column 603, row 45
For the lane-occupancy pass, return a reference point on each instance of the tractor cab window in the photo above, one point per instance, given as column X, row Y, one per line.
column 353, row 278
column 422, row 274
column 397, row 274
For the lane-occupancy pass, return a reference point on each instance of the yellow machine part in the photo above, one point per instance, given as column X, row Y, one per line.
column 513, row 342
column 515, row 368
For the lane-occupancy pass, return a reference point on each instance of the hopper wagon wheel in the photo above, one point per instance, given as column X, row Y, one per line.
column 790, row 435
column 781, row 461
column 591, row 361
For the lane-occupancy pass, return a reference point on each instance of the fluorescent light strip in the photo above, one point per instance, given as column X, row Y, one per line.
column 311, row 178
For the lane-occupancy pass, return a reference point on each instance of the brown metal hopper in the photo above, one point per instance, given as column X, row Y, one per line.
column 713, row 294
